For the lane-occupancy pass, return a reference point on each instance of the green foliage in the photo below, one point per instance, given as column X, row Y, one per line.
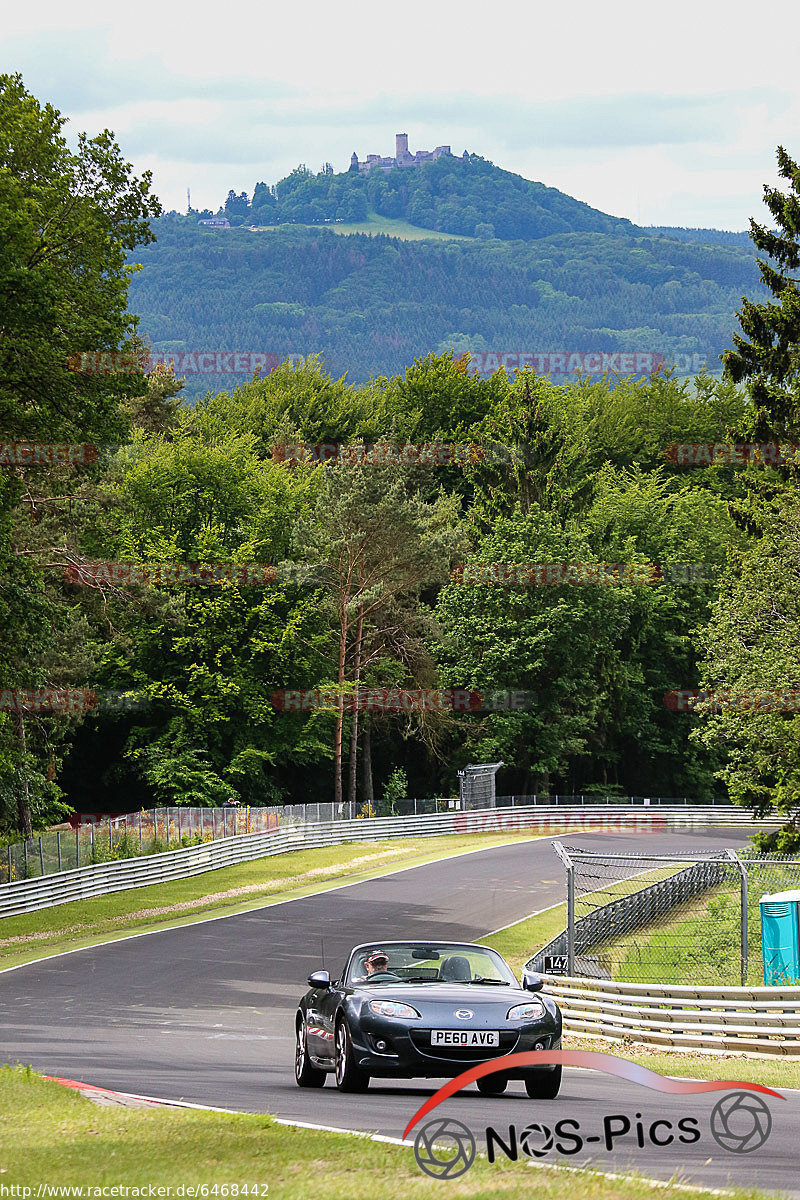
column 396, row 788
column 751, row 647
column 767, row 357
column 752, row 642
column 372, row 304
column 69, row 219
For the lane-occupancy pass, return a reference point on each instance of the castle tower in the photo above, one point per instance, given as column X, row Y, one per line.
column 354, row 161
column 401, row 148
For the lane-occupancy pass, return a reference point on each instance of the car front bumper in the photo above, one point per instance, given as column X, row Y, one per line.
column 385, row 1049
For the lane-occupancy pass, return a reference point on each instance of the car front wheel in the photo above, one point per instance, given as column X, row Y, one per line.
column 543, row 1085
column 349, row 1077
column 305, row 1074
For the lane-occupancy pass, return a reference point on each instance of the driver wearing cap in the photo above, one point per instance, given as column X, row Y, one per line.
column 376, row 961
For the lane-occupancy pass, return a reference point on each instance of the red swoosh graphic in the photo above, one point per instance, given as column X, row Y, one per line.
column 583, row 1058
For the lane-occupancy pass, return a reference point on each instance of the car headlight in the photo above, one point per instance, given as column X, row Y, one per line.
column 527, row 1012
column 392, row 1008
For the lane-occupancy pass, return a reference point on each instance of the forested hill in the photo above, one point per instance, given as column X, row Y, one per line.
column 371, row 304
column 467, row 196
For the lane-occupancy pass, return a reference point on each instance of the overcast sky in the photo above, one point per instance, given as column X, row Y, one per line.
column 668, row 116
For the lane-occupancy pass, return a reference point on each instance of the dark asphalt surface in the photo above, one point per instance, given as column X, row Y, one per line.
column 204, row 1013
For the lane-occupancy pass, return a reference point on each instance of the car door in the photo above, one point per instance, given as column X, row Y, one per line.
column 316, row 1041
column 328, row 1007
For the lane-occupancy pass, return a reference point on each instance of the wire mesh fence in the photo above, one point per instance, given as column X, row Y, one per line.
column 147, row 832
column 476, row 785
column 682, row 919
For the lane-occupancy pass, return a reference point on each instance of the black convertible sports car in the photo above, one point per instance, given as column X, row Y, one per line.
column 404, row 1010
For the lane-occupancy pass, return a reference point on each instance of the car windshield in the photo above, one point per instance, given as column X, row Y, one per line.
column 431, row 962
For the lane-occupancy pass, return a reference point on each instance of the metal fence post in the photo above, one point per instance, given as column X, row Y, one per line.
column 91, row 833
column 58, row 844
column 77, row 845
column 9, row 864
column 569, row 864
column 41, row 856
column 25, row 856
column 743, row 919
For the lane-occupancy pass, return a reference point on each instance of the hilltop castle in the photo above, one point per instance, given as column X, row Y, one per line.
column 402, row 156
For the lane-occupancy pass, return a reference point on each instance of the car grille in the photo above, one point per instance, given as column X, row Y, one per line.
column 421, row 1039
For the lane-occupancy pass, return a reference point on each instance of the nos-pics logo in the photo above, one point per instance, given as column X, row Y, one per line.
column 740, row 1121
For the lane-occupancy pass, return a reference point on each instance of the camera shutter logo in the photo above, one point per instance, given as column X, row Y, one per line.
column 740, row 1122
column 444, row 1148
column 536, row 1140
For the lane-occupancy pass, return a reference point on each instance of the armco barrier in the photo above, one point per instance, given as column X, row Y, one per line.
column 760, row 1020
column 29, row 895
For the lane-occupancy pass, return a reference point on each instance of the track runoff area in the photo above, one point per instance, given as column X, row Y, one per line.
column 205, row 1014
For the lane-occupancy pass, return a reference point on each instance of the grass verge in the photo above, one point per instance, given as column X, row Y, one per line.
column 375, row 223
column 520, row 941
column 51, row 1136
column 224, row 892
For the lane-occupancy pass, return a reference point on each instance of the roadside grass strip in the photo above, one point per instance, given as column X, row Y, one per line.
column 227, row 891
column 518, row 942
column 51, row 1137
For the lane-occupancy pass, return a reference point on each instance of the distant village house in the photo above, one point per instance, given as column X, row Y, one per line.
column 217, row 222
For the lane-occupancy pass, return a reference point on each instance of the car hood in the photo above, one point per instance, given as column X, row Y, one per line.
column 456, row 995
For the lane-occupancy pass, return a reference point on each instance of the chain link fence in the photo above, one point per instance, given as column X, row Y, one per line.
column 147, row 832
column 476, row 785
column 681, row 919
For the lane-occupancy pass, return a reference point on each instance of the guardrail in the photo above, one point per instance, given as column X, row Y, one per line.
column 29, row 895
column 762, row 1020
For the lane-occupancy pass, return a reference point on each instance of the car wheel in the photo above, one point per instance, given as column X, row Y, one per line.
column 349, row 1077
column 305, row 1073
column 492, row 1085
column 543, row 1085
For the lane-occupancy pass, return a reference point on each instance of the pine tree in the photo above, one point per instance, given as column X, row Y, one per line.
column 768, row 355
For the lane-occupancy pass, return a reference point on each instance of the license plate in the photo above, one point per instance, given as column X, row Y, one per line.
column 465, row 1037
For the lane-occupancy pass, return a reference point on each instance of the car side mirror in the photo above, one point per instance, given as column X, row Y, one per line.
column 319, row 979
column 532, row 982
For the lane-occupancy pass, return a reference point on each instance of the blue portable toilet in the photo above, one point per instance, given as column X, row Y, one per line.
column 780, row 937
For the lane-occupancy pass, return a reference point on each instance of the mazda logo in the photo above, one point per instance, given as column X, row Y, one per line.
column 464, row 1014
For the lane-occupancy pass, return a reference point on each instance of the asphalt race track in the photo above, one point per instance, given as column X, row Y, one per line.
column 205, row 1013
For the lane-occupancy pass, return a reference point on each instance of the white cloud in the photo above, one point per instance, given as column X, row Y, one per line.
column 667, row 116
